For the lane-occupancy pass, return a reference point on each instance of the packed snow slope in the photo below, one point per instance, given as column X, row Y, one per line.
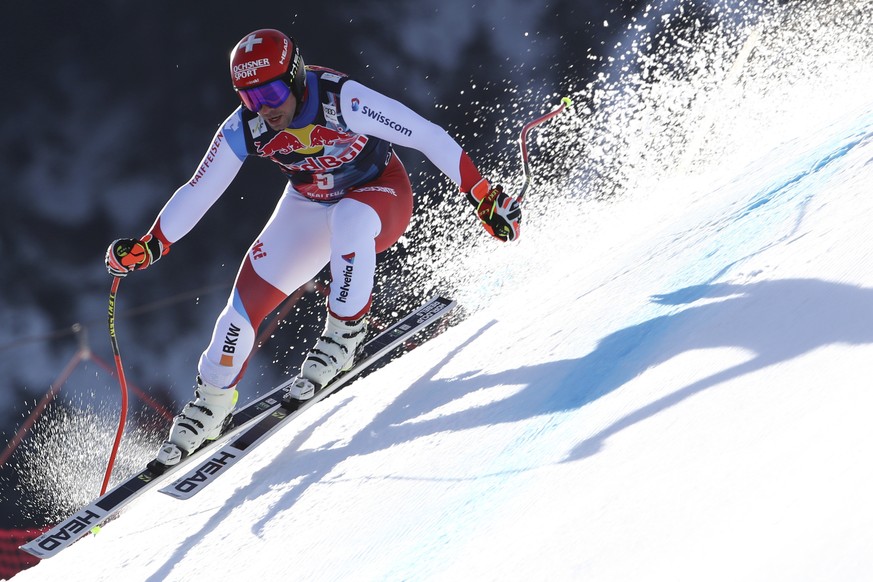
column 674, row 384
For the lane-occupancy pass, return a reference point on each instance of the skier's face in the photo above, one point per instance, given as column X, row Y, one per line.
column 279, row 118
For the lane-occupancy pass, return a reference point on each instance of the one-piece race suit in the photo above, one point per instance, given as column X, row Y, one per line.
column 348, row 197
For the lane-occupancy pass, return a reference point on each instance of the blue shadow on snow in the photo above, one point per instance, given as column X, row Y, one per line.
column 773, row 320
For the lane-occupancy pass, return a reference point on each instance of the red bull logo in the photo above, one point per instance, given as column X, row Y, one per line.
column 305, row 141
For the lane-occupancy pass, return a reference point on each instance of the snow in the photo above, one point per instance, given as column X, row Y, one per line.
column 670, row 386
column 693, row 404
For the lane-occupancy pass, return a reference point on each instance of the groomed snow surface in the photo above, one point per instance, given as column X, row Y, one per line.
column 673, row 385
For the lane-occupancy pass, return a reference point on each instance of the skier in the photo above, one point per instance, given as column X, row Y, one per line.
column 348, row 198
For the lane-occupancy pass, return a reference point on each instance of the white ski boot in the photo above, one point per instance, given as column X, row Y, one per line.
column 334, row 352
column 200, row 420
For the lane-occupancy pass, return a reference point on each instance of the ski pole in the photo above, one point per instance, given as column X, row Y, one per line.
column 565, row 102
column 123, row 383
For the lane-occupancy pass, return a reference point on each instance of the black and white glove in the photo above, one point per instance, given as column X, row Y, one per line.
column 499, row 212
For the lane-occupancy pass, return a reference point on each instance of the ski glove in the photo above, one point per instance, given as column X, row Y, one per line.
column 128, row 254
column 499, row 212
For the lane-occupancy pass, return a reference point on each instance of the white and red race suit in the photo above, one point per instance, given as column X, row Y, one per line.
column 348, row 198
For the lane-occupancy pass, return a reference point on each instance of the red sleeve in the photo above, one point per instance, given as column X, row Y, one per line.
column 156, row 232
column 470, row 176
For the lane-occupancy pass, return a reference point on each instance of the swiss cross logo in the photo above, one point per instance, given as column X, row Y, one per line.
column 250, row 42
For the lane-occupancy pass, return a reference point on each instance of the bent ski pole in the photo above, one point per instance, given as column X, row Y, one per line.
column 122, row 382
column 565, row 102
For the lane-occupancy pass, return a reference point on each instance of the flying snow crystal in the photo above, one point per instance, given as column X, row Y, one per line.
column 687, row 90
column 685, row 93
column 62, row 464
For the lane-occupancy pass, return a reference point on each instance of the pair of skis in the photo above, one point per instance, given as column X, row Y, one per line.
column 251, row 426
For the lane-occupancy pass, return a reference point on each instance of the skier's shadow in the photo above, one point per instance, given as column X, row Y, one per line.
column 774, row 321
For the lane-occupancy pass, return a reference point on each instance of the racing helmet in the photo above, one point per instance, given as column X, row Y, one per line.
column 264, row 56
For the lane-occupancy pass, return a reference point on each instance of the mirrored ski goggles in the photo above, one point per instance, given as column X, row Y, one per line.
column 272, row 94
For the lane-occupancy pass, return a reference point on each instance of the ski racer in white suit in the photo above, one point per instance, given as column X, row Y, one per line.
column 348, row 198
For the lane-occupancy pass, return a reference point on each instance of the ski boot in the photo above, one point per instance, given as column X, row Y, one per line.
column 334, row 353
column 203, row 419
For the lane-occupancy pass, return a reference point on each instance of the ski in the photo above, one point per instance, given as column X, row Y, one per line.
column 205, row 472
column 108, row 505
